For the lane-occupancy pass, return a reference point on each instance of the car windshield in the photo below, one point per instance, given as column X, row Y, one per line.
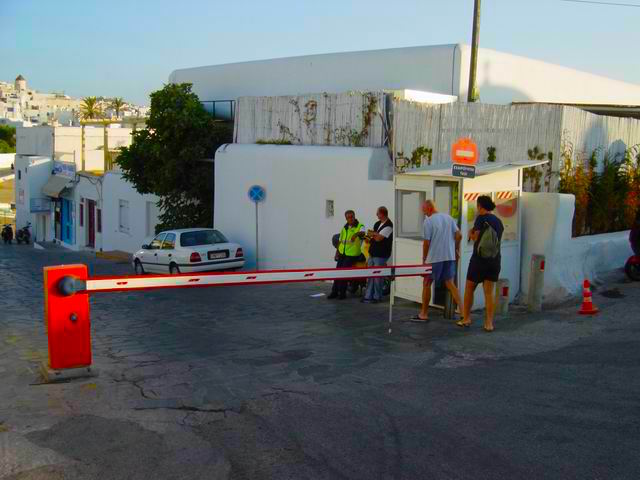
column 202, row 237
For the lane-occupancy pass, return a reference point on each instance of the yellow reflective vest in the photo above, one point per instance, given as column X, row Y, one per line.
column 347, row 246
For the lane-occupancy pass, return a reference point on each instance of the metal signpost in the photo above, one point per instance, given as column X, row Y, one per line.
column 257, row 194
column 464, row 155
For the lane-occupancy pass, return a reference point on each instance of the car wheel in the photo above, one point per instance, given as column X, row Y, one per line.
column 138, row 267
column 174, row 269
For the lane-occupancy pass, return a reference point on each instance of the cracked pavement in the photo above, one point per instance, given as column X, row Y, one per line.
column 266, row 382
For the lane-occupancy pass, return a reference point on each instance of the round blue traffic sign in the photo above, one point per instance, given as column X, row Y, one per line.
column 257, row 194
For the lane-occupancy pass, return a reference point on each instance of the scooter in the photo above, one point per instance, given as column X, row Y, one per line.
column 24, row 235
column 7, row 234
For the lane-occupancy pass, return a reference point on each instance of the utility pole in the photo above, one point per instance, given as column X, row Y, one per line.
column 474, row 52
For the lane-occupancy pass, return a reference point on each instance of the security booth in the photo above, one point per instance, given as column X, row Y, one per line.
column 457, row 197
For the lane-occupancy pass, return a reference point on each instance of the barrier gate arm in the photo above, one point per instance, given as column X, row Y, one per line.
column 67, row 290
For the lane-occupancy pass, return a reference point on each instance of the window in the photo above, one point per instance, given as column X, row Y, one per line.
column 99, row 220
column 169, row 242
column 201, row 237
column 82, row 215
column 507, row 210
column 329, row 210
column 157, row 242
column 123, row 216
column 19, row 175
column 410, row 214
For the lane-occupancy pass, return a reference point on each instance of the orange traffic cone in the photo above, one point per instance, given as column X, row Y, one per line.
column 587, row 304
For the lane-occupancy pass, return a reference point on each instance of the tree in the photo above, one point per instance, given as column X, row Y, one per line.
column 7, row 139
column 116, row 104
column 166, row 158
column 90, row 108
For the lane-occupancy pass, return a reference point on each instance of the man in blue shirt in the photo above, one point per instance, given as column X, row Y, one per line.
column 440, row 249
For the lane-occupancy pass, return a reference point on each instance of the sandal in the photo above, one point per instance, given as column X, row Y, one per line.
column 488, row 330
column 463, row 324
column 417, row 319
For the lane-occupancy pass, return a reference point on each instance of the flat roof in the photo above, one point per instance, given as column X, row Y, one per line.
column 481, row 169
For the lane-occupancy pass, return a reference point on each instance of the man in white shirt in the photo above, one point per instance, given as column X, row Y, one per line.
column 440, row 249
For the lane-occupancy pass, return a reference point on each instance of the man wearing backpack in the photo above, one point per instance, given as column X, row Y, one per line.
column 484, row 266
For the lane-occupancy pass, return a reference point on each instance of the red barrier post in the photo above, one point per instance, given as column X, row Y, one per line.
column 67, row 318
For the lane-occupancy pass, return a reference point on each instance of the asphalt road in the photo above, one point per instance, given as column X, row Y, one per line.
column 267, row 382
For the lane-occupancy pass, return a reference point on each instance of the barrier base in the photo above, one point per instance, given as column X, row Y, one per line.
column 50, row 375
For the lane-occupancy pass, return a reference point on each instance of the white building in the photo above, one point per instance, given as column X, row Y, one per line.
column 22, row 104
column 444, row 69
column 84, row 146
column 308, row 190
column 73, row 196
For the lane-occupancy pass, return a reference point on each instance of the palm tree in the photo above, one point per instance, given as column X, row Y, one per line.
column 90, row 108
column 116, row 104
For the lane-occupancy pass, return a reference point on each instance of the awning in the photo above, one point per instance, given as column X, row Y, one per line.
column 486, row 168
column 55, row 185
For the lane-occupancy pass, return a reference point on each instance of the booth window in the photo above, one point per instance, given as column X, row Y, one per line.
column 410, row 216
column 507, row 204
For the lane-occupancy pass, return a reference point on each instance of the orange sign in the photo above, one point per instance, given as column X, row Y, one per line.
column 464, row 152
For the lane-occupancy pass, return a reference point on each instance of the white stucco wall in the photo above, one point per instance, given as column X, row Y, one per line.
column 428, row 69
column 66, row 143
column 141, row 219
column 7, row 159
column 294, row 229
column 34, row 173
column 546, row 230
column 444, row 69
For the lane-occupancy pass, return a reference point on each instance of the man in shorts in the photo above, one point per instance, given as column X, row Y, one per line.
column 441, row 249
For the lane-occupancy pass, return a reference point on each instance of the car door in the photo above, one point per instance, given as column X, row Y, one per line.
column 150, row 259
column 166, row 252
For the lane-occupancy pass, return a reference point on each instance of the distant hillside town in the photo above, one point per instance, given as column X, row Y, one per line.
column 23, row 106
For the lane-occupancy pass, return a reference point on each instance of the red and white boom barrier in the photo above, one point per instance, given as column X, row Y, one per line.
column 67, row 289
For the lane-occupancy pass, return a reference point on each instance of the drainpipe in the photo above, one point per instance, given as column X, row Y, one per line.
column 82, row 154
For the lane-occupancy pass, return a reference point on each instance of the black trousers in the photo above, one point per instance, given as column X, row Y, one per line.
column 340, row 286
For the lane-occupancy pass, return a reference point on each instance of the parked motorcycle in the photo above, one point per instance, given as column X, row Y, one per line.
column 24, row 234
column 632, row 267
column 7, row 234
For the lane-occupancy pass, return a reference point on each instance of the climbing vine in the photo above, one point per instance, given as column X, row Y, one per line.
column 491, row 154
column 421, row 156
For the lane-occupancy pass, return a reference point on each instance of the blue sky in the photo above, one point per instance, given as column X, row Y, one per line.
column 128, row 48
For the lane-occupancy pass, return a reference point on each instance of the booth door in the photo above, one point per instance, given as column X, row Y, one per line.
column 446, row 196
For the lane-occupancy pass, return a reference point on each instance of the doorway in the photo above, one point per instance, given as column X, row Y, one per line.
column 91, row 223
column 447, row 199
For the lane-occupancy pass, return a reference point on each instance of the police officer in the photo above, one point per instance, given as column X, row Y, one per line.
column 348, row 251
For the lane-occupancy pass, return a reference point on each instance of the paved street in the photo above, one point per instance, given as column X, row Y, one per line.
column 268, row 382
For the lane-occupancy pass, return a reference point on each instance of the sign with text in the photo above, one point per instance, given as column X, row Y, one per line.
column 464, row 152
column 464, row 171
column 64, row 169
column 40, row 205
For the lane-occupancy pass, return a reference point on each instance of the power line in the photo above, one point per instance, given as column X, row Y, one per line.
column 610, row 4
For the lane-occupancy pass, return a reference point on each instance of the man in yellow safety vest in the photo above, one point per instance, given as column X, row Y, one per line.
column 348, row 251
